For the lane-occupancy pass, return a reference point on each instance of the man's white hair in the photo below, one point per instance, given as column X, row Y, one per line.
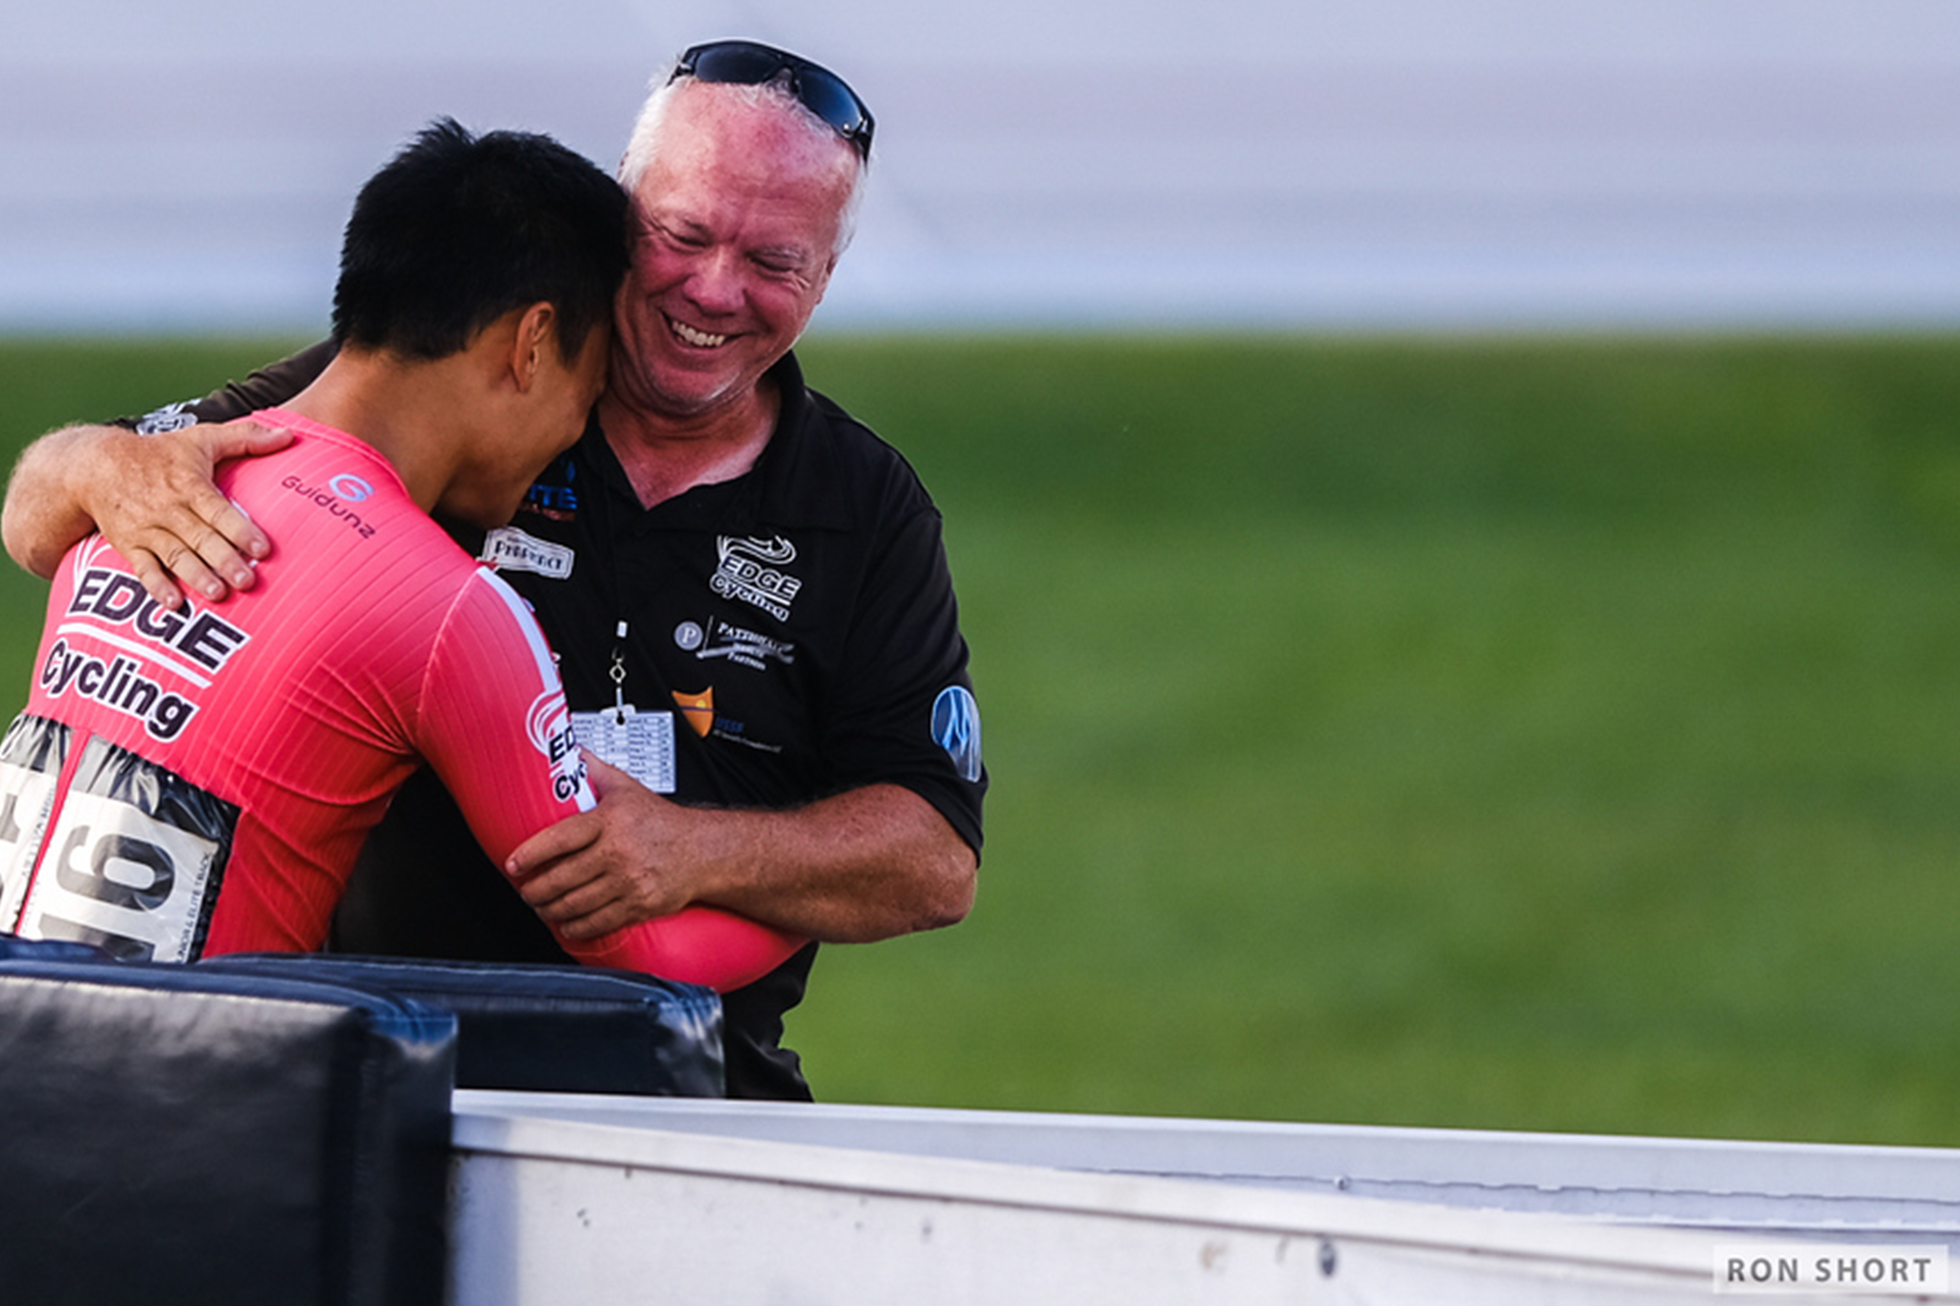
column 644, row 142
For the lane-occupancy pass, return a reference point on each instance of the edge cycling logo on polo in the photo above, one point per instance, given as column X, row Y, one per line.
column 509, row 549
column 750, row 569
column 956, row 728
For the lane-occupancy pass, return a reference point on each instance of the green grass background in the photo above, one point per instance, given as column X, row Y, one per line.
column 1497, row 733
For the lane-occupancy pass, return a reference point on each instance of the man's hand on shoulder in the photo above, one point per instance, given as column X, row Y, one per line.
column 151, row 496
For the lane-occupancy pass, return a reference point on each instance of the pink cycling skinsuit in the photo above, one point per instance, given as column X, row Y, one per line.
column 192, row 782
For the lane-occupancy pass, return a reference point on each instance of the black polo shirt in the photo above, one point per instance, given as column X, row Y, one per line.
column 797, row 623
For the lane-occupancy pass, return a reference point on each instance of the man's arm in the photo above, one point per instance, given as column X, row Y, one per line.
column 493, row 724
column 151, row 496
column 893, row 852
column 867, row 864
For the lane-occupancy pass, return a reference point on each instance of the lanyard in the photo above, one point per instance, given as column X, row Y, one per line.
column 639, row 743
column 618, row 671
column 601, row 510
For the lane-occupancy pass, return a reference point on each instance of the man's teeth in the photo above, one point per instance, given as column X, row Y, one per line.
column 699, row 339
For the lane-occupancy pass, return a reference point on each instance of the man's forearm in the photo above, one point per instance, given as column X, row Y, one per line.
column 43, row 516
column 869, row 864
column 864, row 865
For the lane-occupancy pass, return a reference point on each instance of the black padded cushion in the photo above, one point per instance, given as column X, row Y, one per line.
column 176, row 1134
column 542, row 1028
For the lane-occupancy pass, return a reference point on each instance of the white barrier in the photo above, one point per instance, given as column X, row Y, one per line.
column 602, row 1200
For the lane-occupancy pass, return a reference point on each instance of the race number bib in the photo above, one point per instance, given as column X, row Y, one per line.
column 638, row 743
column 134, row 861
column 31, row 758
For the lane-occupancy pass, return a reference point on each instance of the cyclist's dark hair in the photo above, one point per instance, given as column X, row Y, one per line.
column 458, row 230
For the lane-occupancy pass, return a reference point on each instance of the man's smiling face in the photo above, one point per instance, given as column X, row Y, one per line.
column 739, row 216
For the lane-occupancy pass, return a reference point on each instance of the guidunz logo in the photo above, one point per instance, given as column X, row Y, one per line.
column 350, row 487
column 335, row 496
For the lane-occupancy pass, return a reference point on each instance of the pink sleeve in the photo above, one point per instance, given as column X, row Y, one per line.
column 496, row 729
column 492, row 720
column 697, row 945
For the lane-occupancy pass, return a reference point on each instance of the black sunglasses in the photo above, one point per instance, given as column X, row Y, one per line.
column 750, row 63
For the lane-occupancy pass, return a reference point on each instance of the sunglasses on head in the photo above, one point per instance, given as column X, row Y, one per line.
column 750, row 63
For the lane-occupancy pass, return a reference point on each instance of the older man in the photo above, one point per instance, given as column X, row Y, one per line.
column 746, row 588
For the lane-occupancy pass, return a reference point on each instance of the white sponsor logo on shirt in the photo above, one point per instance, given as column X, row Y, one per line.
column 751, row 570
column 510, row 549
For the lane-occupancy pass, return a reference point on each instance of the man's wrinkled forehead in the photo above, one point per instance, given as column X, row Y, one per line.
column 722, row 136
column 764, row 117
column 719, row 139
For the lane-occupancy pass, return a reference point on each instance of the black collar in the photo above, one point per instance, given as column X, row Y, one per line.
column 799, row 479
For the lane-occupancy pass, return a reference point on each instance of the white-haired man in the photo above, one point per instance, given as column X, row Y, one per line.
column 746, row 588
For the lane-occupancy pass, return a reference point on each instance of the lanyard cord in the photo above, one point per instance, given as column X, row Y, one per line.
column 748, row 497
column 602, row 521
column 619, row 672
